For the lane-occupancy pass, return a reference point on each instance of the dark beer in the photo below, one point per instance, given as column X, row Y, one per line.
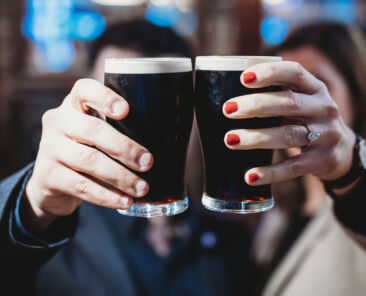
column 160, row 94
column 218, row 80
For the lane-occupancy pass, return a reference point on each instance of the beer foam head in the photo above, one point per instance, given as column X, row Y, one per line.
column 232, row 63
column 148, row 65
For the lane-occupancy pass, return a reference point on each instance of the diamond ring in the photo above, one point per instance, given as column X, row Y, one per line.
column 311, row 136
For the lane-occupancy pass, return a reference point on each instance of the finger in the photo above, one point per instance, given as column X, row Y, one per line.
column 290, row 74
column 313, row 161
column 284, row 103
column 95, row 132
column 82, row 158
column 89, row 93
column 268, row 138
column 73, row 184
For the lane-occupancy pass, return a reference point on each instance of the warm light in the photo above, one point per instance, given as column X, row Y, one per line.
column 160, row 2
column 184, row 5
column 119, row 2
column 273, row 2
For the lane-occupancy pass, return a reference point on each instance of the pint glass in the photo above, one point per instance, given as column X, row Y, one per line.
column 159, row 92
column 218, row 80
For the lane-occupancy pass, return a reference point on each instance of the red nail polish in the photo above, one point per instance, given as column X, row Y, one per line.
column 249, row 77
column 253, row 177
column 231, row 107
column 233, row 139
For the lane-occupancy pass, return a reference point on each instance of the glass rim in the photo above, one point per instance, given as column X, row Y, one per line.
column 231, row 63
column 148, row 65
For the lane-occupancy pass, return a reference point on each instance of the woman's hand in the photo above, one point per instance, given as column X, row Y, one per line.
column 305, row 99
column 69, row 168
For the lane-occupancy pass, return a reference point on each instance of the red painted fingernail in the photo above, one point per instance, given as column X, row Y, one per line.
column 231, row 107
column 253, row 177
column 249, row 77
column 233, row 139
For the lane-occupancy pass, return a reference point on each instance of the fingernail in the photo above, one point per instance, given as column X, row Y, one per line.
column 253, row 177
column 233, row 139
column 145, row 160
column 125, row 202
column 249, row 77
column 231, row 107
column 140, row 187
column 118, row 107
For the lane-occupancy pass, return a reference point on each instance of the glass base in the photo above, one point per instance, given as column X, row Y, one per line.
column 238, row 207
column 156, row 210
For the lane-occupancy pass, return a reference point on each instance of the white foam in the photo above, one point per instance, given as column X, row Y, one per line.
column 232, row 63
column 148, row 65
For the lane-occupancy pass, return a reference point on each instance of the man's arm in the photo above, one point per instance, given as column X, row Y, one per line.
column 20, row 250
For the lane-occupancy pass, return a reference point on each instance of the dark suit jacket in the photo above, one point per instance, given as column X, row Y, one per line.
column 108, row 255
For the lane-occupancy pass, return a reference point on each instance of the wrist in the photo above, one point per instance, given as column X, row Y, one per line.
column 357, row 170
column 36, row 220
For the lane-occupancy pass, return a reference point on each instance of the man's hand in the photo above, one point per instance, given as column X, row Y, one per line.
column 71, row 166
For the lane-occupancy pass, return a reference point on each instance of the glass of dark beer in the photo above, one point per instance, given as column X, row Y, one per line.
column 160, row 94
column 218, row 80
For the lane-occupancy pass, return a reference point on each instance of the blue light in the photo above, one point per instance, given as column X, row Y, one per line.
column 285, row 6
column 163, row 16
column 59, row 55
column 187, row 23
column 52, row 24
column 341, row 10
column 87, row 25
column 274, row 30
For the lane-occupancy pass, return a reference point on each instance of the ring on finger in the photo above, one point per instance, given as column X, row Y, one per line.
column 311, row 136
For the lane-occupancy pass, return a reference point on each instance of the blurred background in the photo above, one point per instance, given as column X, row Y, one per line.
column 43, row 46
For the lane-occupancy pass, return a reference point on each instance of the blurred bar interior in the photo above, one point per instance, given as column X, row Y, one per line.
column 43, row 46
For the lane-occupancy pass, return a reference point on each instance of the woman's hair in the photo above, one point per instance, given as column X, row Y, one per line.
column 346, row 48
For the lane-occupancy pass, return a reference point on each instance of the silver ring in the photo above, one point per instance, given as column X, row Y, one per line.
column 311, row 136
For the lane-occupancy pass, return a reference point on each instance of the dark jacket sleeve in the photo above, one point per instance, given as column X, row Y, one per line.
column 19, row 252
column 350, row 209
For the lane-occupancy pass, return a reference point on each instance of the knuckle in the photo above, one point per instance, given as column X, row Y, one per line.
column 334, row 135
column 290, row 136
column 81, row 83
column 45, row 145
column 127, row 148
column 297, row 70
column 48, row 117
column 127, row 181
column 93, row 126
column 295, row 169
column 256, row 105
column 106, row 198
column 271, row 70
column 332, row 111
column 88, row 156
column 82, row 188
column 252, row 139
column 294, row 102
column 322, row 86
column 108, row 100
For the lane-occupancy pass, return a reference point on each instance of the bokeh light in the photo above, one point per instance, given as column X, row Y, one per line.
column 273, row 2
column 274, row 30
column 52, row 25
column 184, row 5
column 119, row 2
column 164, row 16
column 161, row 2
column 87, row 25
column 186, row 24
